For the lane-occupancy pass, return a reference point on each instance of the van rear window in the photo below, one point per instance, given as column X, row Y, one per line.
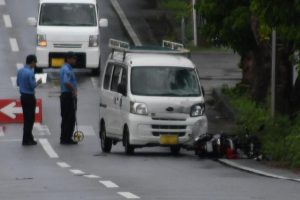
column 73, row 14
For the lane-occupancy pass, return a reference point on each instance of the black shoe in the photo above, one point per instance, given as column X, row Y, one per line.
column 69, row 142
column 29, row 143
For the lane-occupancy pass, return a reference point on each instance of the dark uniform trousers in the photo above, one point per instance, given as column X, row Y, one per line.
column 68, row 105
column 28, row 102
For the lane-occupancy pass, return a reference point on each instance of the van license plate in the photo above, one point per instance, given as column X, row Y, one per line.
column 168, row 139
column 57, row 62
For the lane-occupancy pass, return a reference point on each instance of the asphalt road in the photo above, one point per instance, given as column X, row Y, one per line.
column 83, row 172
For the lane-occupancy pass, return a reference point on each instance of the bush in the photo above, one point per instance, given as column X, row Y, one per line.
column 280, row 137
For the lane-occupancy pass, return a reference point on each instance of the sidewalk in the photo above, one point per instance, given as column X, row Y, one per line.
column 216, row 69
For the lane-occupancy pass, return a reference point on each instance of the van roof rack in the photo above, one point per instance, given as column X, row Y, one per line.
column 167, row 47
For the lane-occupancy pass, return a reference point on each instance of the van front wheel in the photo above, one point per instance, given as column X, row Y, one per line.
column 129, row 149
column 175, row 150
column 106, row 143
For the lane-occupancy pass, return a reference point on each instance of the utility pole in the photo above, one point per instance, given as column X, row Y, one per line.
column 194, row 22
column 273, row 73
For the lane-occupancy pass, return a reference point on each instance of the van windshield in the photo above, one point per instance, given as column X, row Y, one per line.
column 164, row 81
column 73, row 14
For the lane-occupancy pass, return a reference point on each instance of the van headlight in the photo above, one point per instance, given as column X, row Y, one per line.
column 94, row 41
column 41, row 40
column 197, row 110
column 138, row 108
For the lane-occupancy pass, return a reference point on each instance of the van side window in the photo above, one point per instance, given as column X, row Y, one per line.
column 124, row 77
column 115, row 79
column 107, row 76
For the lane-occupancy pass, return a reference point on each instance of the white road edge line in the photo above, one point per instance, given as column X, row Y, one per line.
column 77, row 172
column 2, row 3
column 91, row 176
column 11, row 140
column 248, row 169
column 48, row 149
column 1, row 131
column 7, row 21
column 14, row 81
column 128, row 195
column 109, row 184
column 19, row 66
column 126, row 23
column 63, row 165
column 14, row 44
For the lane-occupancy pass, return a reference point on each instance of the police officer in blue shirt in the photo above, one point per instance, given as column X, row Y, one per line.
column 68, row 99
column 27, row 84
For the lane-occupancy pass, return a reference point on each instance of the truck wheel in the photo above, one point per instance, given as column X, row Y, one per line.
column 129, row 149
column 106, row 143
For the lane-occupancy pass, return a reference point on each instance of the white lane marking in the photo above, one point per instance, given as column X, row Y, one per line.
column 87, row 130
column 128, row 195
column 48, row 149
column 77, row 172
column 2, row 3
column 14, row 81
column 40, row 129
column 7, row 21
column 92, row 176
column 94, row 82
column 19, row 66
column 248, row 169
column 126, row 23
column 109, row 184
column 14, row 44
column 63, row 164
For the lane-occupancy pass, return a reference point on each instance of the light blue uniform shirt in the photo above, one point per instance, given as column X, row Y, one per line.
column 67, row 76
column 26, row 80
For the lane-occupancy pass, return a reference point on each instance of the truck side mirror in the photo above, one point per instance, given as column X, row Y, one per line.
column 103, row 23
column 122, row 89
column 31, row 21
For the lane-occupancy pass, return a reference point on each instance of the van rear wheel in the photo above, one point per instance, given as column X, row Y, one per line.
column 106, row 143
column 129, row 149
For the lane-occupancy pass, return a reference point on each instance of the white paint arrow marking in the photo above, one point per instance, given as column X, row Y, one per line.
column 11, row 110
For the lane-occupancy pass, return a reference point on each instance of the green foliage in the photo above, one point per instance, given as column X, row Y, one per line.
column 280, row 137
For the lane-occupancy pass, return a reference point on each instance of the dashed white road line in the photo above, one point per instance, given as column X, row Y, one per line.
column 63, row 165
column 11, row 140
column 128, row 195
column 1, row 131
column 14, row 44
column 109, row 184
column 77, row 172
column 94, row 82
column 14, row 81
column 2, row 3
column 91, row 176
column 7, row 21
column 48, row 149
column 19, row 66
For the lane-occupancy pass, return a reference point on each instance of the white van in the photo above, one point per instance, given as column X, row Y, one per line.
column 150, row 97
column 68, row 25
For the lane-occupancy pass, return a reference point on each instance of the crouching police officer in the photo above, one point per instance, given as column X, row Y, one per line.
column 27, row 84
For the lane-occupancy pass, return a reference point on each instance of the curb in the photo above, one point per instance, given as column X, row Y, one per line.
column 254, row 171
column 126, row 23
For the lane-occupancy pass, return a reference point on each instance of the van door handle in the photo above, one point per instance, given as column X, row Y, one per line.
column 116, row 100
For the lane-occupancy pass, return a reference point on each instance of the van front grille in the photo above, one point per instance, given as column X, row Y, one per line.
column 75, row 46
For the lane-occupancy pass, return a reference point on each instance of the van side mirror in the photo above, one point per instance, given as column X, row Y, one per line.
column 103, row 23
column 203, row 91
column 122, row 89
column 31, row 21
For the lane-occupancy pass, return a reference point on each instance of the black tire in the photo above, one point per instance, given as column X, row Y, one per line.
column 129, row 149
column 175, row 150
column 106, row 143
column 38, row 70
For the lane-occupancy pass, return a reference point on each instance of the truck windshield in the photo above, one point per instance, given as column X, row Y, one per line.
column 73, row 14
column 164, row 81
